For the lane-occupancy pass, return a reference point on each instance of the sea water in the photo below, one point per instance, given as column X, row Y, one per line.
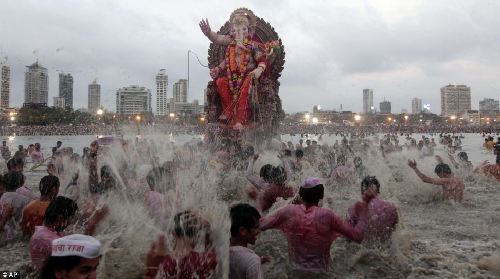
column 435, row 239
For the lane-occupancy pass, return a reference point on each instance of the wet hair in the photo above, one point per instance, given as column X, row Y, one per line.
column 53, row 264
column 358, row 161
column 54, row 149
column 299, row 153
column 154, row 177
column 13, row 180
column 279, row 175
column 312, row 195
column 243, row 215
column 266, row 172
column 11, row 164
column 47, row 183
column 60, row 206
column 463, row 156
column 185, row 226
column 442, row 168
column 369, row 181
column 105, row 171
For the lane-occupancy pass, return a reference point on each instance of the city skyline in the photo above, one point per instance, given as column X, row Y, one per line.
column 400, row 50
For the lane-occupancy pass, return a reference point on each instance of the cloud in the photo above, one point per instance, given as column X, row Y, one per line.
column 333, row 49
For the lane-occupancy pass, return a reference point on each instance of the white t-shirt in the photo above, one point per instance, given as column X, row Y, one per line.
column 244, row 263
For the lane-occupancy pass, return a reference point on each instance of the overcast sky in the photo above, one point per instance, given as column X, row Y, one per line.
column 334, row 49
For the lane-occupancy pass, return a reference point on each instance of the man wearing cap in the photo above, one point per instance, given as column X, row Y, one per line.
column 380, row 217
column 310, row 230
column 73, row 256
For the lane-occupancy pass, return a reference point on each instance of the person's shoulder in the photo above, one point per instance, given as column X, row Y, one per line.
column 31, row 205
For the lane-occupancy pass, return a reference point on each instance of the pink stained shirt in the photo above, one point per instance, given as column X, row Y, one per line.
column 380, row 218
column 310, row 233
column 41, row 245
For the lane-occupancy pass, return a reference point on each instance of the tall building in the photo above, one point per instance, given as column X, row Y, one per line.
column 59, row 102
column 489, row 106
column 180, row 91
column 36, row 85
column 416, row 105
column 4, row 86
column 66, row 89
column 368, row 101
column 455, row 100
column 385, row 107
column 133, row 100
column 161, row 92
column 94, row 98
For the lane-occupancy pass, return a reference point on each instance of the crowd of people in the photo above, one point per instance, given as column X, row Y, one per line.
column 44, row 217
column 287, row 128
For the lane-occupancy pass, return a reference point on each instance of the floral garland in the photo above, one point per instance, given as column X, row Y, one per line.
column 236, row 76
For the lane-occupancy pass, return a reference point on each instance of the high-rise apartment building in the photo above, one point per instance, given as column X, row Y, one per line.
column 59, row 102
column 368, row 101
column 66, row 89
column 161, row 92
column 36, row 85
column 385, row 107
column 94, row 97
column 489, row 106
column 180, row 91
column 4, row 86
column 416, row 105
column 455, row 100
column 133, row 100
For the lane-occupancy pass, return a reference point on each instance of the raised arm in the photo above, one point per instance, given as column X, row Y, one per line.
column 274, row 220
column 212, row 36
column 425, row 178
column 252, row 177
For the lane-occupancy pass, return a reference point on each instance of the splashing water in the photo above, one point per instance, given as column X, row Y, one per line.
column 435, row 239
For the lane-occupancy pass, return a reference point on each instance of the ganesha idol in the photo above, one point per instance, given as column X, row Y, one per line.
column 245, row 59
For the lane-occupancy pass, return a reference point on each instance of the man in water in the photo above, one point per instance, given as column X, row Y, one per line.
column 4, row 150
column 243, row 262
column 453, row 186
column 34, row 212
column 310, row 230
column 381, row 217
column 492, row 170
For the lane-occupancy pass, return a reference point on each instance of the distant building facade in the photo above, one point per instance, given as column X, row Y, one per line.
column 367, row 101
column 385, row 107
column 36, row 85
column 416, row 106
column 455, row 100
column 472, row 117
column 161, row 92
column 133, row 100
column 489, row 107
column 4, row 86
column 59, row 102
column 180, row 91
column 66, row 89
column 94, row 97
